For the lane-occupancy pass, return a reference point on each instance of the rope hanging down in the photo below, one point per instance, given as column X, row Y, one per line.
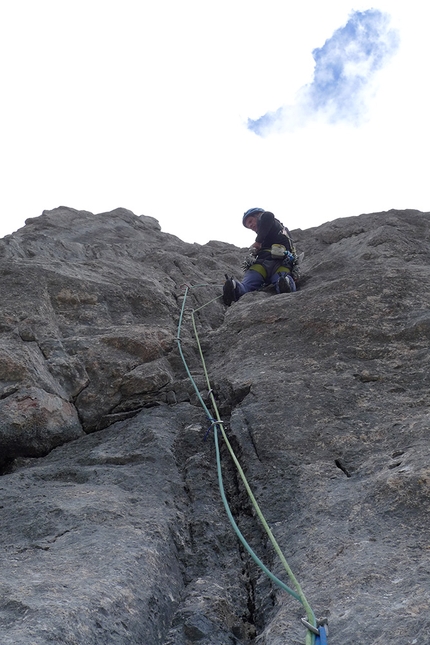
column 316, row 634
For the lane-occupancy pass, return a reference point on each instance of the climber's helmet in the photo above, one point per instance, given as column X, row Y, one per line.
column 252, row 214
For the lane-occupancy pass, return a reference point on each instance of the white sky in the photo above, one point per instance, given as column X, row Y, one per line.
column 143, row 104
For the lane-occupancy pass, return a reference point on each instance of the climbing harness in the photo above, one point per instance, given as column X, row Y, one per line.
column 274, row 260
column 316, row 630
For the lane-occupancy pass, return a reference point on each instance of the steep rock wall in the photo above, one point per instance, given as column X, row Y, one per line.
column 113, row 530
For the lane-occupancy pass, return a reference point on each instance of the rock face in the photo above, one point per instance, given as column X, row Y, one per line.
column 112, row 525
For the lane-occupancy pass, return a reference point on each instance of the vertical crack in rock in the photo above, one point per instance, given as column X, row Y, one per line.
column 221, row 581
column 259, row 587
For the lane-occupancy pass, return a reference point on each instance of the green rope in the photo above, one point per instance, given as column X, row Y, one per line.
column 238, row 532
column 298, row 594
column 178, row 339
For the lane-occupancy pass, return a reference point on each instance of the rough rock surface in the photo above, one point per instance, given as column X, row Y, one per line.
column 112, row 529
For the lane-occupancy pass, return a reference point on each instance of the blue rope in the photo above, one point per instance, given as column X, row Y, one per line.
column 322, row 638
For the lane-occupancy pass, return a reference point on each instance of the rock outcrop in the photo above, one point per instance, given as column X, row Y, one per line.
column 112, row 525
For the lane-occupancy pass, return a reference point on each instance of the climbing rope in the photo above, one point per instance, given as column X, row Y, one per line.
column 316, row 632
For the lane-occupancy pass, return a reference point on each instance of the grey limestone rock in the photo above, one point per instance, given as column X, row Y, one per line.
column 112, row 527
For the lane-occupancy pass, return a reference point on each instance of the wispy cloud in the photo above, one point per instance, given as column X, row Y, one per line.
column 345, row 67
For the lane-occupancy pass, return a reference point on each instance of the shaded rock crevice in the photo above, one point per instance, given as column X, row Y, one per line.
column 246, row 595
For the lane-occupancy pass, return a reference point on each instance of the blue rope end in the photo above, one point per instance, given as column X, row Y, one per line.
column 321, row 639
column 320, row 631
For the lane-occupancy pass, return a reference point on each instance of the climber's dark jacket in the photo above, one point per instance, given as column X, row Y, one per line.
column 271, row 231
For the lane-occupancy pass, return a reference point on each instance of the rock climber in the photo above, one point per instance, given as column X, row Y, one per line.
column 273, row 257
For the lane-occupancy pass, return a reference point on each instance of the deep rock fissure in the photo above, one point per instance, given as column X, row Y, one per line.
column 245, row 516
column 248, row 611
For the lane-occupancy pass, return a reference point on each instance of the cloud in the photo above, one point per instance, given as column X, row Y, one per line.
column 345, row 68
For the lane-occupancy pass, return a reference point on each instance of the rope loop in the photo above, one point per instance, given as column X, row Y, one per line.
column 213, row 425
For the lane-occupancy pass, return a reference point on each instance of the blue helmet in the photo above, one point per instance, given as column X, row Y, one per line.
column 251, row 211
